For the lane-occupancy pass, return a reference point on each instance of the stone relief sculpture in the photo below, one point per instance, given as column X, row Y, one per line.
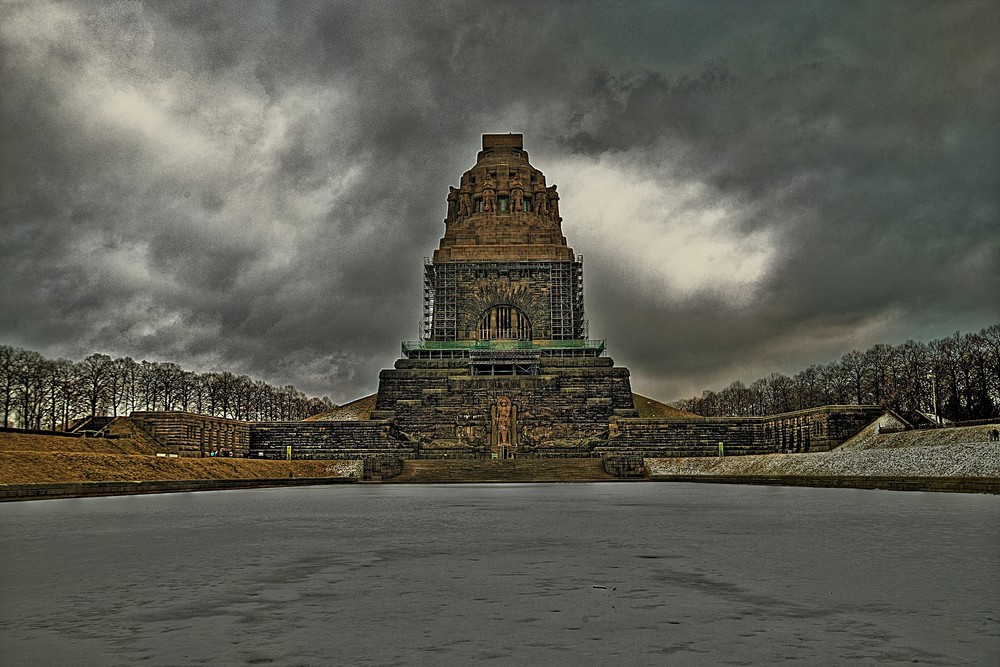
column 504, row 426
column 466, row 435
column 503, row 421
column 464, row 204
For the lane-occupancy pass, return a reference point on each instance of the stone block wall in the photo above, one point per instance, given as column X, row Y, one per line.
column 377, row 468
column 196, row 435
column 665, row 438
column 327, row 440
column 816, row 429
column 813, row 430
column 626, row 467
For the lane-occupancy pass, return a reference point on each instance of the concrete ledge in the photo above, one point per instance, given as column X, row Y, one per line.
column 945, row 484
column 14, row 492
column 9, row 492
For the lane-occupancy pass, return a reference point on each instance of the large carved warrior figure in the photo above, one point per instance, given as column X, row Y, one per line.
column 503, row 431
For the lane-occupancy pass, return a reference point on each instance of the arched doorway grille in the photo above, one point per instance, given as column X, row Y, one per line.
column 504, row 323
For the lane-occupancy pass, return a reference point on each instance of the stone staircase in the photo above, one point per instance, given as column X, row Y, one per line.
column 92, row 424
column 513, row 470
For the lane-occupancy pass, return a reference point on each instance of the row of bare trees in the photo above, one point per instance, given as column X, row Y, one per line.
column 962, row 372
column 40, row 393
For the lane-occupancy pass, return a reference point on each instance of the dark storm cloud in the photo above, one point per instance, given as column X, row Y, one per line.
column 867, row 143
column 252, row 186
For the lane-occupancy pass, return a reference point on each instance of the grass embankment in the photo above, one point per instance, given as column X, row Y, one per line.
column 37, row 467
column 37, row 459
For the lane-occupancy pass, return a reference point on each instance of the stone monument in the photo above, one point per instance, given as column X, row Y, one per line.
column 504, row 367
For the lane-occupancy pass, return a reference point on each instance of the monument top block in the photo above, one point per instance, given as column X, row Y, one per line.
column 509, row 140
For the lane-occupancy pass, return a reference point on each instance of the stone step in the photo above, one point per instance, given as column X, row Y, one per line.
column 654, row 452
column 515, row 470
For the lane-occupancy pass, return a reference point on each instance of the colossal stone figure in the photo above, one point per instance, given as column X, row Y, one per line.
column 516, row 194
column 541, row 206
column 452, row 202
column 489, row 195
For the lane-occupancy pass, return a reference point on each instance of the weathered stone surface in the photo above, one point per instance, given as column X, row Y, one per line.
column 382, row 467
column 626, row 467
column 328, row 440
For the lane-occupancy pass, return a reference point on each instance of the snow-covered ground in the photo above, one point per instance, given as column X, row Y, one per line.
column 951, row 452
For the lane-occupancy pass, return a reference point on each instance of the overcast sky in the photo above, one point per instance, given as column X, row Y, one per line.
column 755, row 186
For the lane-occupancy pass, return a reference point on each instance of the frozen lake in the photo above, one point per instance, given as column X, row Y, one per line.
column 616, row 573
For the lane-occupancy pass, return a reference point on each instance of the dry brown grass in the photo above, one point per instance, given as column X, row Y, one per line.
column 652, row 409
column 356, row 410
column 32, row 459
column 22, row 442
column 38, row 467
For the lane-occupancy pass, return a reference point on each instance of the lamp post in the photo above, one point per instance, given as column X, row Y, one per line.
column 932, row 376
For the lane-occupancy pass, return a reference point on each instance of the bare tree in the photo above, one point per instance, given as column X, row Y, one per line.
column 95, row 373
column 7, row 380
column 29, row 389
column 962, row 370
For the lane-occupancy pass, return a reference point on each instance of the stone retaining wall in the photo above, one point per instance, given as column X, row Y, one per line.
column 666, row 438
column 9, row 492
column 813, row 430
column 816, row 429
column 572, row 410
column 195, row 435
column 327, row 440
column 377, row 468
column 948, row 484
column 628, row 467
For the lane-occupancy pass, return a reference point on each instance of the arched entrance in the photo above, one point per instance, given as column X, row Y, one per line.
column 504, row 323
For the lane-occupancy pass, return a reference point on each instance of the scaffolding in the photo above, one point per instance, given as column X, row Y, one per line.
column 441, row 280
column 580, row 328
column 562, row 281
column 428, row 322
column 464, row 349
column 503, row 362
